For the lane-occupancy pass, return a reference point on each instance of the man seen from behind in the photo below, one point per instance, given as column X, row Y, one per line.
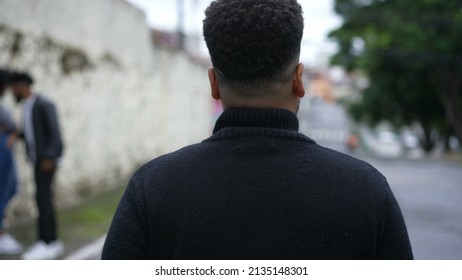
column 257, row 188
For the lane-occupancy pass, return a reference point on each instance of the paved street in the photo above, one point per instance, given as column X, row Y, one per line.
column 429, row 191
column 430, row 196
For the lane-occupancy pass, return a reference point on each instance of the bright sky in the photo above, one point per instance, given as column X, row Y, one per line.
column 319, row 20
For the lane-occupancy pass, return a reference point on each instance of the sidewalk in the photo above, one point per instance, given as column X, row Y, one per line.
column 373, row 148
column 82, row 228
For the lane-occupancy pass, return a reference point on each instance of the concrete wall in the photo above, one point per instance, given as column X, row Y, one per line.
column 97, row 26
column 121, row 100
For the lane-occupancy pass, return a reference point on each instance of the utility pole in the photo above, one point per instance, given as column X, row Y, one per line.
column 180, row 27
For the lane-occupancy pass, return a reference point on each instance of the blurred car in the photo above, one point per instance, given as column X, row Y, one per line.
column 454, row 143
column 388, row 144
column 409, row 140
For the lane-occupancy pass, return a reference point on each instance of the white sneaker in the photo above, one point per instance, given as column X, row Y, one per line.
column 9, row 245
column 42, row 251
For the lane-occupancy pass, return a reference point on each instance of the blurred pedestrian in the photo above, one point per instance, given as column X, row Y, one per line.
column 257, row 189
column 352, row 142
column 8, row 177
column 42, row 136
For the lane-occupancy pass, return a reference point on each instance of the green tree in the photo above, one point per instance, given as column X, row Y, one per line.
column 411, row 52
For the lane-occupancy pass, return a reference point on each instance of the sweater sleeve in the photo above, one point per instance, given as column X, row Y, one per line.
column 127, row 238
column 54, row 146
column 393, row 242
column 7, row 124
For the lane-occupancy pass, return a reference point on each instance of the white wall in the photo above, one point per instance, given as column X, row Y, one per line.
column 130, row 103
column 97, row 26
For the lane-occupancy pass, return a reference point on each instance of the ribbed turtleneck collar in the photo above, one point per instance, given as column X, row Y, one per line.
column 253, row 117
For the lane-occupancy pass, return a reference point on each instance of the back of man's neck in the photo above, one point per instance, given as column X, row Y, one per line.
column 261, row 104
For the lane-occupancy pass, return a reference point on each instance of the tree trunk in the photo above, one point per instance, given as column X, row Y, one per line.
column 428, row 139
column 447, row 143
column 450, row 93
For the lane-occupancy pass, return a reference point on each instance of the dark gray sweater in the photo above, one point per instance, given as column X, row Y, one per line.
column 257, row 189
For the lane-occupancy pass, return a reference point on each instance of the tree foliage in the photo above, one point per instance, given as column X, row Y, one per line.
column 411, row 52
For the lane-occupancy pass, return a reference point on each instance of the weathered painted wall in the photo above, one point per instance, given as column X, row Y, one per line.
column 97, row 26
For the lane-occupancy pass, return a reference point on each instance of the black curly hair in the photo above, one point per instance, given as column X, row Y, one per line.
column 4, row 77
column 20, row 77
column 253, row 42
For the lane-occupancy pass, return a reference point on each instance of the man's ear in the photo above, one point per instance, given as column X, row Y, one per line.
column 214, row 84
column 297, row 86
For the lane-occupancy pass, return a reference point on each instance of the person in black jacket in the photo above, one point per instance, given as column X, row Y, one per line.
column 44, row 148
column 257, row 188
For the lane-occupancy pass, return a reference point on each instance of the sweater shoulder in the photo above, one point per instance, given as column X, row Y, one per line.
column 348, row 160
column 169, row 162
column 353, row 170
column 43, row 101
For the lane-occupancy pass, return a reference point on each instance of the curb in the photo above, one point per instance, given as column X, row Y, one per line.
column 91, row 251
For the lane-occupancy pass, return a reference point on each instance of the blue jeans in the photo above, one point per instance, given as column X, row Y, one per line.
column 8, row 176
